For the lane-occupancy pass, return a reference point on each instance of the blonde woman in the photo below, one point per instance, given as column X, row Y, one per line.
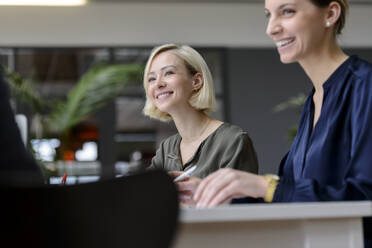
column 179, row 87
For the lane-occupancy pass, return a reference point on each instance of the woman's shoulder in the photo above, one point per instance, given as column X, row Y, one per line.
column 229, row 139
column 171, row 141
column 361, row 85
column 361, row 69
column 230, row 132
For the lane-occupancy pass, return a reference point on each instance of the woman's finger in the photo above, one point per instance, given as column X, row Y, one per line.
column 205, row 184
column 175, row 174
column 218, row 183
column 231, row 191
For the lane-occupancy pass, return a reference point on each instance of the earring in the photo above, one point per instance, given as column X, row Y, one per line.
column 328, row 23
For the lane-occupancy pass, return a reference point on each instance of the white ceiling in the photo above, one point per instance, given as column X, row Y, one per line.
column 210, row 1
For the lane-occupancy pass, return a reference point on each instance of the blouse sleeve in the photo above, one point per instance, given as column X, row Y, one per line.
column 157, row 161
column 240, row 155
column 357, row 184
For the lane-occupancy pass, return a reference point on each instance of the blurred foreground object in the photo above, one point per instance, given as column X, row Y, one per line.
column 16, row 165
column 134, row 211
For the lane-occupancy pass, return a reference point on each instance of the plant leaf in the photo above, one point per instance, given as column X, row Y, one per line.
column 24, row 91
column 292, row 102
column 99, row 85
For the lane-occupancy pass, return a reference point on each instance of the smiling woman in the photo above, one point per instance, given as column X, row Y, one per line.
column 330, row 156
column 179, row 87
column 289, row 27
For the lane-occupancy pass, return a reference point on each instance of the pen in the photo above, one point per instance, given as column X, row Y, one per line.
column 187, row 173
column 64, row 178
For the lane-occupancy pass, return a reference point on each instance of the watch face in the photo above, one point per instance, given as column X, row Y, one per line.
column 272, row 176
column 273, row 181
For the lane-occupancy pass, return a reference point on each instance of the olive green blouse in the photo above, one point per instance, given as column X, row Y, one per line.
column 227, row 147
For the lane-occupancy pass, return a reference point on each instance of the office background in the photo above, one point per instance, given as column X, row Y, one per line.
column 250, row 79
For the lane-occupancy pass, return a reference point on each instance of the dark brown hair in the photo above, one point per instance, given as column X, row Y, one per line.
column 344, row 10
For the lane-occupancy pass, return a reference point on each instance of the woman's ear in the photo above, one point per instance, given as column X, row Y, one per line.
column 333, row 13
column 197, row 81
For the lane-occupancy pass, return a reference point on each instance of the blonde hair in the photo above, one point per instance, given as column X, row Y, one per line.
column 204, row 99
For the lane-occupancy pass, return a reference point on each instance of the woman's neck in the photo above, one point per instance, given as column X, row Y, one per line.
column 322, row 63
column 191, row 124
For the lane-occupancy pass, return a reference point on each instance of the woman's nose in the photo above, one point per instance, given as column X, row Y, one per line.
column 273, row 28
column 160, row 83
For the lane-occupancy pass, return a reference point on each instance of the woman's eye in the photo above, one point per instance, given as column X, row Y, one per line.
column 169, row 73
column 288, row 11
column 267, row 15
column 151, row 79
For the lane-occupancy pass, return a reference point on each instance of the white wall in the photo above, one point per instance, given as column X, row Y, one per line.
column 99, row 24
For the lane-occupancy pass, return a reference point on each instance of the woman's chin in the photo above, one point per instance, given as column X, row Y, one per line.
column 163, row 107
column 286, row 59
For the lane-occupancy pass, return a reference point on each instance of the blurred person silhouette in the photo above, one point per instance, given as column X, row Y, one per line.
column 16, row 164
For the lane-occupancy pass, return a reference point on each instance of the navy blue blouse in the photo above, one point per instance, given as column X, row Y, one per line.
column 333, row 161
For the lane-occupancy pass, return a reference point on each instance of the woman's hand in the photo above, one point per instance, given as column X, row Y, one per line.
column 186, row 187
column 226, row 184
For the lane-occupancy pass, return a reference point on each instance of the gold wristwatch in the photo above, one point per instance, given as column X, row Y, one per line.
column 273, row 181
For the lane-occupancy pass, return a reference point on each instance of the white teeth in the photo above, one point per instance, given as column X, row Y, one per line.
column 283, row 42
column 162, row 95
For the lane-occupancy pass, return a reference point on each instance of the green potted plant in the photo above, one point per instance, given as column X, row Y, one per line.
column 94, row 89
